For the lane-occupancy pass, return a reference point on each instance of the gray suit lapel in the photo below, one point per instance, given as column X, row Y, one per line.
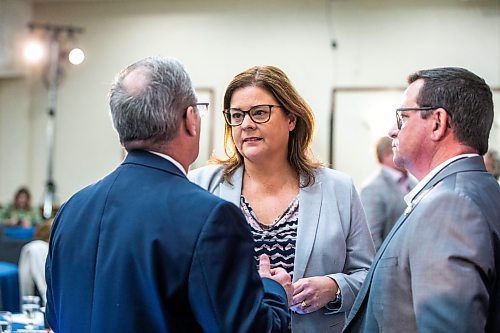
column 232, row 193
column 310, row 200
column 361, row 297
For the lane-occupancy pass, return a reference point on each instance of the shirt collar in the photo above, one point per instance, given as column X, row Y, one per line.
column 174, row 162
column 413, row 193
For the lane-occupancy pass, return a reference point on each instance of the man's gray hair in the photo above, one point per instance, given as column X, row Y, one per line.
column 151, row 107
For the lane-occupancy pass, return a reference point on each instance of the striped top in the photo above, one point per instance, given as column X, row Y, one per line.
column 276, row 240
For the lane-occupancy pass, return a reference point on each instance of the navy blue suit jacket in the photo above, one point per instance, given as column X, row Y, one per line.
column 145, row 250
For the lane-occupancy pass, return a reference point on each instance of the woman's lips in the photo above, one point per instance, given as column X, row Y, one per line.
column 252, row 139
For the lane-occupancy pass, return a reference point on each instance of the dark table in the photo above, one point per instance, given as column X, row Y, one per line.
column 9, row 287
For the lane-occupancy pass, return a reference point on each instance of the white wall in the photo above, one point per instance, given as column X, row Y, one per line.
column 379, row 44
column 15, row 137
column 14, row 14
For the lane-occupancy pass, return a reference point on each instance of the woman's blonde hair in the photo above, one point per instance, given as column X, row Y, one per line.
column 275, row 81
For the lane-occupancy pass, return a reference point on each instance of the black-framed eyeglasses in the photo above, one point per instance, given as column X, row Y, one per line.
column 399, row 117
column 259, row 114
column 202, row 109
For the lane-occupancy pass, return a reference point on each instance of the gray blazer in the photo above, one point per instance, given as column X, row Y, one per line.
column 333, row 238
column 383, row 203
column 439, row 268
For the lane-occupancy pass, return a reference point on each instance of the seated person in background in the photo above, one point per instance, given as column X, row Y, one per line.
column 492, row 163
column 382, row 194
column 32, row 263
column 20, row 213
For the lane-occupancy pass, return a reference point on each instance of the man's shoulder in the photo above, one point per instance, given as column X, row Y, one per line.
column 207, row 171
column 208, row 177
column 462, row 192
column 325, row 175
column 473, row 184
column 376, row 180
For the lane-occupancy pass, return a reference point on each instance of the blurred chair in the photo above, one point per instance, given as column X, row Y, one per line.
column 32, row 263
column 10, row 249
column 18, row 233
column 9, row 287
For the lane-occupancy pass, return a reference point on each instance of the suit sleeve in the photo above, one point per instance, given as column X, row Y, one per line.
column 359, row 255
column 451, row 259
column 50, row 305
column 374, row 208
column 225, row 289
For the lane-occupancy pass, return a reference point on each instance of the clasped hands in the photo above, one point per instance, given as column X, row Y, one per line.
column 306, row 295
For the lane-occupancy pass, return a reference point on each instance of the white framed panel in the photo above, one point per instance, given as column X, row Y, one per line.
column 494, row 142
column 206, row 95
column 360, row 116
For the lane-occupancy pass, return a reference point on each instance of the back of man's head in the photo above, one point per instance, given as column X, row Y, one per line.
column 148, row 98
column 383, row 148
column 466, row 98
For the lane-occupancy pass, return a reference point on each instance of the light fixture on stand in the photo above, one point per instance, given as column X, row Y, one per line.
column 55, row 39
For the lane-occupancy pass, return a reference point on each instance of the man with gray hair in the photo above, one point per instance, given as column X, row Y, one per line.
column 438, row 270
column 145, row 250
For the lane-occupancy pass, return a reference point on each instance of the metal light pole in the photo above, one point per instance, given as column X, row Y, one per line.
column 54, row 66
column 50, row 186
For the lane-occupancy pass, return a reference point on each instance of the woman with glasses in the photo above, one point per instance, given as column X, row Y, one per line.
column 307, row 218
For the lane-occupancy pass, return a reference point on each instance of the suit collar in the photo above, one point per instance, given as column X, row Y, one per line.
column 232, row 192
column 466, row 163
column 171, row 159
column 142, row 157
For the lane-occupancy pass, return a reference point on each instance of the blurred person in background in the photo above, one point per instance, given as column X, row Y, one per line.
column 492, row 163
column 306, row 218
column 382, row 194
column 20, row 213
column 146, row 250
column 32, row 263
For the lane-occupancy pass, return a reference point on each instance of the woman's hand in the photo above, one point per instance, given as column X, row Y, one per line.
column 313, row 293
column 25, row 223
column 10, row 222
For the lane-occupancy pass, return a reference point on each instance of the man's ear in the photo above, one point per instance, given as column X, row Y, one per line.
column 440, row 124
column 191, row 121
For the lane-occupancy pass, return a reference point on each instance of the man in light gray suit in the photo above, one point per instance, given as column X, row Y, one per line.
column 382, row 194
column 439, row 268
